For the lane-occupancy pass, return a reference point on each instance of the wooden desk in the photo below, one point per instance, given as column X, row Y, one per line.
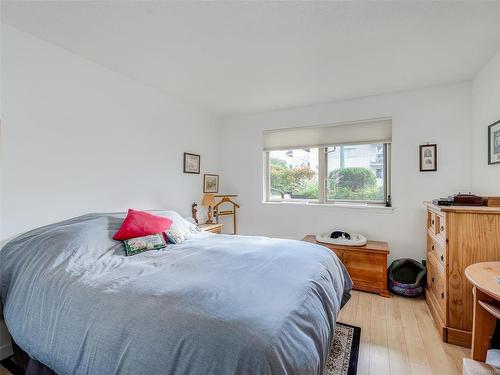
column 486, row 308
column 367, row 265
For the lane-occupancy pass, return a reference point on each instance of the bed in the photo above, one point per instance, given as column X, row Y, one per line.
column 215, row 304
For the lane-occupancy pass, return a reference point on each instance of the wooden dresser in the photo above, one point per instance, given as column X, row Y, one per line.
column 367, row 265
column 457, row 236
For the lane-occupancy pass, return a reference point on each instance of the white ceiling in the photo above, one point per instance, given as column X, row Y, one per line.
column 244, row 57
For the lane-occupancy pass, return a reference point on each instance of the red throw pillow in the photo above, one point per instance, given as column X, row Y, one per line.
column 140, row 223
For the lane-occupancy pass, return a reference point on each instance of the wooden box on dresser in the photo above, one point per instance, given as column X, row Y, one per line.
column 457, row 236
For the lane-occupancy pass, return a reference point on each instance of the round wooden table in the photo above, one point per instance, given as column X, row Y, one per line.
column 485, row 280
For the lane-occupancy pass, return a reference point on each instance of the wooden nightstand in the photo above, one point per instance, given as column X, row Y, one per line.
column 214, row 228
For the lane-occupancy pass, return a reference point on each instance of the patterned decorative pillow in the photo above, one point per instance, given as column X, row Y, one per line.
column 177, row 235
column 181, row 229
column 139, row 244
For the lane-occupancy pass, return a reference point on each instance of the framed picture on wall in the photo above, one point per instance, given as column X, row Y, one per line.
column 428, row 158
column 191, row 163
column 494, row 143
column 210, row 183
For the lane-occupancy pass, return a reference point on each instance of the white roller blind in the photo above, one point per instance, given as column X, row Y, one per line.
column 373, row 131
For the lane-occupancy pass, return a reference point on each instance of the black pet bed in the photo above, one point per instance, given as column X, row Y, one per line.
column 406, row 277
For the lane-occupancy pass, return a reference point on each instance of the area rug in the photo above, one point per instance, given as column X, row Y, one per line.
column 343, row 359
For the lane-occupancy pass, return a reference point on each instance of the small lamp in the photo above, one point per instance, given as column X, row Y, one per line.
column 208, row 200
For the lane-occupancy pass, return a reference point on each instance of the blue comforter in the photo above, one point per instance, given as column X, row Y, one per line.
column 215, row 304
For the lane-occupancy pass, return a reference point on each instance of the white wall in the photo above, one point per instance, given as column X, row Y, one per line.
column 79, row 138
column 486, row 110
column 437, row 115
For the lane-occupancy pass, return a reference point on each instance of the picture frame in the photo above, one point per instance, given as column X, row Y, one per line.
column 210, row 183
column 494, row 143
column 428, row 158
column 192, row 163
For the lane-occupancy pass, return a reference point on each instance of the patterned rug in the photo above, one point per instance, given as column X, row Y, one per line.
column 343, row 359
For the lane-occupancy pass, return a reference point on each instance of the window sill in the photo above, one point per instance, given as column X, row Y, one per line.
column 375, row 208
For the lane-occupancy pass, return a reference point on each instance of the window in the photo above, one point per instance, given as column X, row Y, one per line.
column 313, row 170
column 357, row 175
column 294, row 174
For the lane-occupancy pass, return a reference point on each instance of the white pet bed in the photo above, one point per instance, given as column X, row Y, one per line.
column 356, row 239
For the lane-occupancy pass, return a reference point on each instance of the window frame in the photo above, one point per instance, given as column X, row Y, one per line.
column 323, row 180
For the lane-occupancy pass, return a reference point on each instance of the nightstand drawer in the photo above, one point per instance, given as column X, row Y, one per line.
column 213, row 228
column 217, row 230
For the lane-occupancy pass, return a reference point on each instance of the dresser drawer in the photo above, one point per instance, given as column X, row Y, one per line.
column 438, row 249
column 431, row 222
column 436, row 282
column 440, row 227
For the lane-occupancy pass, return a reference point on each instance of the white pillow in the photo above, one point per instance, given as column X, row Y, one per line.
column 192, row 224
column 181, row 229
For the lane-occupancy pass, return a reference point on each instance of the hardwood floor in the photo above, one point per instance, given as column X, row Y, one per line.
column 398, row 337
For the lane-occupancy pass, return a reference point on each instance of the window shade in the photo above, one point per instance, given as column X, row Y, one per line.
column 373, row 131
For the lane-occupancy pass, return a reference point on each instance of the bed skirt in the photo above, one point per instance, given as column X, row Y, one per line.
column 29, row 365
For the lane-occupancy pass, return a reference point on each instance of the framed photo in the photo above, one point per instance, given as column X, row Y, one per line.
column 428, row 158
column 210, row 183
column 191, row 163
column 494, row 143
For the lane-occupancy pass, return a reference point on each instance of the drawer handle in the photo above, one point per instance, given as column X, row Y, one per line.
column 442, row 295
column 442, row 258
column 442, row 228
column 433, row 279
column 432, row 247
column 432, row 222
